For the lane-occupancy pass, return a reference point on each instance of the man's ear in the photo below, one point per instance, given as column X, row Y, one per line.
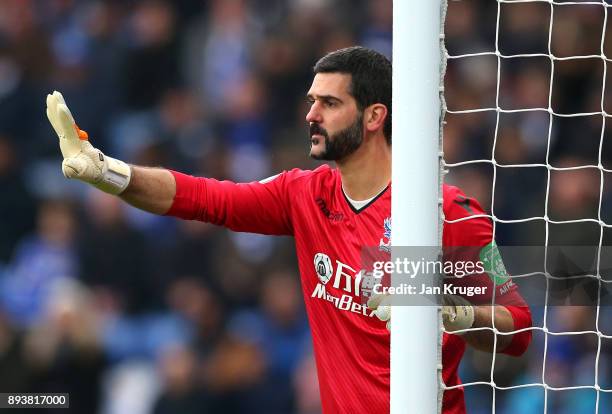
column 374, row 117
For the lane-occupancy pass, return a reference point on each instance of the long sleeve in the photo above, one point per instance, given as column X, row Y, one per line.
column 258, row 207
column 471, row 239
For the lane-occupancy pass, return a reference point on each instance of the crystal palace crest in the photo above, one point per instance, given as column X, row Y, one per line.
column 385, row 242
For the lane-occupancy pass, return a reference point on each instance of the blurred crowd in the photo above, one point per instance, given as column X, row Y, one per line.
column 134, row 313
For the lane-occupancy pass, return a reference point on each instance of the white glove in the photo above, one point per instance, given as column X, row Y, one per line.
column 457, row 313
column 380, row 304
column 81, row 160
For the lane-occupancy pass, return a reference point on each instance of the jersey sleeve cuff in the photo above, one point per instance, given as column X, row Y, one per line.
column 522, row 320
column 187, row 203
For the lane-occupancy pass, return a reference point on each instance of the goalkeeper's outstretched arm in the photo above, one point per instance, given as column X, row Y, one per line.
column 150, row 189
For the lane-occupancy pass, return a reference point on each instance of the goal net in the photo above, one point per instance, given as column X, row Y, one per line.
column 528, row 96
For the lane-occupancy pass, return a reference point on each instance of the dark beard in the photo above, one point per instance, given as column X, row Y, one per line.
column 341, row 144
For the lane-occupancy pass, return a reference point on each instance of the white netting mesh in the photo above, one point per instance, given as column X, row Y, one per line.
column 526, row 124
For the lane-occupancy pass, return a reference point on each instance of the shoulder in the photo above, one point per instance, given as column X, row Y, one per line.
column 465, row 222
column 456, row 204
column 297, row 177
column 295, row 182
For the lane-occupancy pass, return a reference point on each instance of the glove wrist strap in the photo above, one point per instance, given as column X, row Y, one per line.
column 116, row 176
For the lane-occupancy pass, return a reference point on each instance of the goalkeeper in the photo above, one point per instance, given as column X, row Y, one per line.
column 332, row 213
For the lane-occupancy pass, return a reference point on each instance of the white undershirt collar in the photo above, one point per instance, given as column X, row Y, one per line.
column 359, row 204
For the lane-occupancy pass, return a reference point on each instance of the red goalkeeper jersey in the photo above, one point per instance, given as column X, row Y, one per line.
column 351, row 345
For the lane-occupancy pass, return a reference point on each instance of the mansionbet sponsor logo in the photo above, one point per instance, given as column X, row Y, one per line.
column 345, row 278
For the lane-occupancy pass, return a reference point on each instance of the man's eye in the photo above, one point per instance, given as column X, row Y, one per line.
column 330, row 104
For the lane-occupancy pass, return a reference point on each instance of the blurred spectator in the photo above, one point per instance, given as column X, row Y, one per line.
column 182, row 391
column 118, row 260
column 14, row 370
column 234, row 375
column 280, row 333
column 377, row 32
column 197, row 303
column 218, row 57
column 16, row 204
column 152, row 63
column 63, row 349
column 39, row 261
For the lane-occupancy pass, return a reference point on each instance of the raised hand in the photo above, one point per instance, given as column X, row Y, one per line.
column 81, row 160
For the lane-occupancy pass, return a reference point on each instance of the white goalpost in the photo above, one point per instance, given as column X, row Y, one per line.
column 416, row 195
column 419, row 63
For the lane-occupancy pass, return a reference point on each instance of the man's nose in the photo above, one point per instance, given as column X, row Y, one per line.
column 314, row 114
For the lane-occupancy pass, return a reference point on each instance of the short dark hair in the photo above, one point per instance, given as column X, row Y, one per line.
column 370, row 77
